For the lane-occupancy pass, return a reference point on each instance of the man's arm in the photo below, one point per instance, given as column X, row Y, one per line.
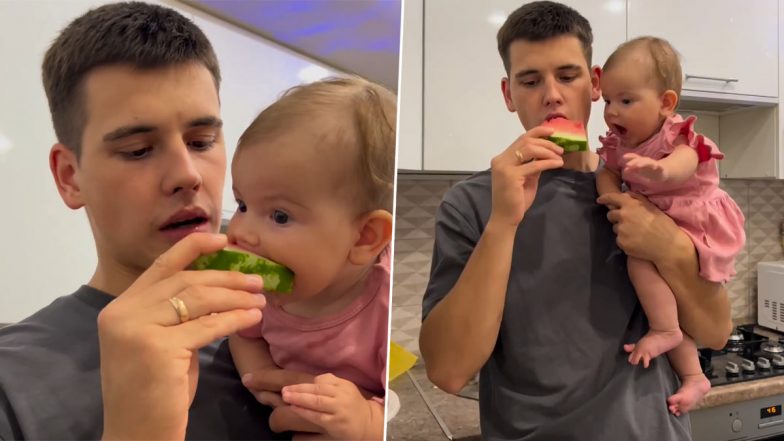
column 459, row 334
column 647, row 233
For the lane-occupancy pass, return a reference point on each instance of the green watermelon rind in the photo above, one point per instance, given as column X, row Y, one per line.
column 570, row 144
column 569, row 135
column 277, row 278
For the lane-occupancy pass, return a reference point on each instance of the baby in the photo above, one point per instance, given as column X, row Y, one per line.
column 660, row 156
column 313, row 179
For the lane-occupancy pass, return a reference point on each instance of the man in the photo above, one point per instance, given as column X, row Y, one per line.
column 133, row 93
column 527, row 284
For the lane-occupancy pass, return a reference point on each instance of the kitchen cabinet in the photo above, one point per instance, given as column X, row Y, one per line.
column 465, row 120
column 410, row 91
column 728, row 47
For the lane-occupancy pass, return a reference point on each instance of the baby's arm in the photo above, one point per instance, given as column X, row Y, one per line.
column 608, row 181
column 679, row 166
column 339, row 406
column 252, row 356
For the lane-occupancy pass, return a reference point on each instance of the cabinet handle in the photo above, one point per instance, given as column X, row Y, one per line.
column 726, row 80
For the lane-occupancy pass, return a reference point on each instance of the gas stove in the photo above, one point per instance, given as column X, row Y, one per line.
column 751, row 353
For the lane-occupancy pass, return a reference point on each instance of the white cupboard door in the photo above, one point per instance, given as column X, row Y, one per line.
column 727, row 46
column 409, row 135
column 465, row 120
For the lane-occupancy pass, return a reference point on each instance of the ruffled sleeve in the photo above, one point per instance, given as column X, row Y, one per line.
column 609, row 150
column 675, row 126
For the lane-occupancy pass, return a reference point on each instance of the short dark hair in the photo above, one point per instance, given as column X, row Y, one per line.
column 538, row 21
column 142, row 35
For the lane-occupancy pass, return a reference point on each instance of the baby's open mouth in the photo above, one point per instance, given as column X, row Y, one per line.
column 621, row 130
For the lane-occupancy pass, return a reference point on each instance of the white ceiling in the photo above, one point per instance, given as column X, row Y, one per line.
column 356, row 36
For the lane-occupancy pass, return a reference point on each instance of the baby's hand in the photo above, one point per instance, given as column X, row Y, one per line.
column 650, row 170
column 334, row 404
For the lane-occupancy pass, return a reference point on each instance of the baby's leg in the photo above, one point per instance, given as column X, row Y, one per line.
column 658, row 302
column 284, row 419
column 694, row 384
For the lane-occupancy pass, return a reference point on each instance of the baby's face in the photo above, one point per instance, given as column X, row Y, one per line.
column 293, row 208
column 633, row 106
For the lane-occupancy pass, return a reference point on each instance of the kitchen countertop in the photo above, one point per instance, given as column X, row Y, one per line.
column 416, row 421
column 747, row 390
column 460, row 415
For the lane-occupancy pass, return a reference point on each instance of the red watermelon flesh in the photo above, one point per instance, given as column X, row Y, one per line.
column 570, row 135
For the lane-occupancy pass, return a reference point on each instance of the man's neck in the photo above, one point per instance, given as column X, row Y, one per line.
column 581, row 161
column 111, row 280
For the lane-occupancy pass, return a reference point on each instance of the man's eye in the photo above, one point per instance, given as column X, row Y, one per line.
column 203, row 144
column 137, row 154
column 280, row 217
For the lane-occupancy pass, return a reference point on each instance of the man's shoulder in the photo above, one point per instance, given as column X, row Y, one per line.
column 470, row 195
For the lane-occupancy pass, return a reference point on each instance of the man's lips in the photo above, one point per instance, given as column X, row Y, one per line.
column 188, row 217
column 554, row 116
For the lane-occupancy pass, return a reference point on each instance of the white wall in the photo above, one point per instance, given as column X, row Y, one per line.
column 47, row 250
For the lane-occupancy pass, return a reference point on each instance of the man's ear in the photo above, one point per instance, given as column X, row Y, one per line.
column 669, row 101
column 65, row 170
column 375, row 233
column 505, row 90
column 596, row 89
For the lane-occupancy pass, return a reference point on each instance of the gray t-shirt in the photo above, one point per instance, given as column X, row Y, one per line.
column 50, row 385
column 558, row 370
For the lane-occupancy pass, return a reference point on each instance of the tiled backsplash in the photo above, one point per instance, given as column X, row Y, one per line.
column 418, row 197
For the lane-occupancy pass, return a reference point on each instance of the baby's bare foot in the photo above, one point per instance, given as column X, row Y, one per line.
column 693, row 388
column 653, row 344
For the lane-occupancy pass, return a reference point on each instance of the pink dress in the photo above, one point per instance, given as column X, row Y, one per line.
column 710, row 217
column 351, row 344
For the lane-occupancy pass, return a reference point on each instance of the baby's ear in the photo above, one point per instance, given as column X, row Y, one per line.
column 375, row 233
column 669, row 101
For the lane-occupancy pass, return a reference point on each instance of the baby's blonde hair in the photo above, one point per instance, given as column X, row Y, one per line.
column 667, row 72
column 367, row 114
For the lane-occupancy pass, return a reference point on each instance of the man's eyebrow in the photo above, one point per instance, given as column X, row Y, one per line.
column 126, row 131
column 526, row 72
column 207, row 121
column 569, row 67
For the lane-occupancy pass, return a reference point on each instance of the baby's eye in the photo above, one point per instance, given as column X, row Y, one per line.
column 280, row 217
column 241, row 206
column 626, row 101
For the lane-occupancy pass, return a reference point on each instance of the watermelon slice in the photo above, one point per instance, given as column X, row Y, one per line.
column 277, row 278
column 568, row 134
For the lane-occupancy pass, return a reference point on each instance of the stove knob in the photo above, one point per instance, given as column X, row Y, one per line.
column 747, row 366
column 732, row 369
column 737, row 425
column 778, row 361
column 763, row 363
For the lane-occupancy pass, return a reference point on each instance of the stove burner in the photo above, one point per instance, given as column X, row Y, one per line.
column 735, row 342
column 772, row 347
column 751, row 353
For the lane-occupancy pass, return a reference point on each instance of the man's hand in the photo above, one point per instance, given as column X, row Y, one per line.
column 149, row 359
column 337, row 405
column 643, row 230
column 643, row 169
column 516, row 171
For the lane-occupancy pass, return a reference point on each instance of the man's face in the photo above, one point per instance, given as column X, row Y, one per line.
column 548, row 79
column 153, row 161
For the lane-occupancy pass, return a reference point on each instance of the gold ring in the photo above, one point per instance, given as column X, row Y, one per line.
column 521, row 159
column 180, row 308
